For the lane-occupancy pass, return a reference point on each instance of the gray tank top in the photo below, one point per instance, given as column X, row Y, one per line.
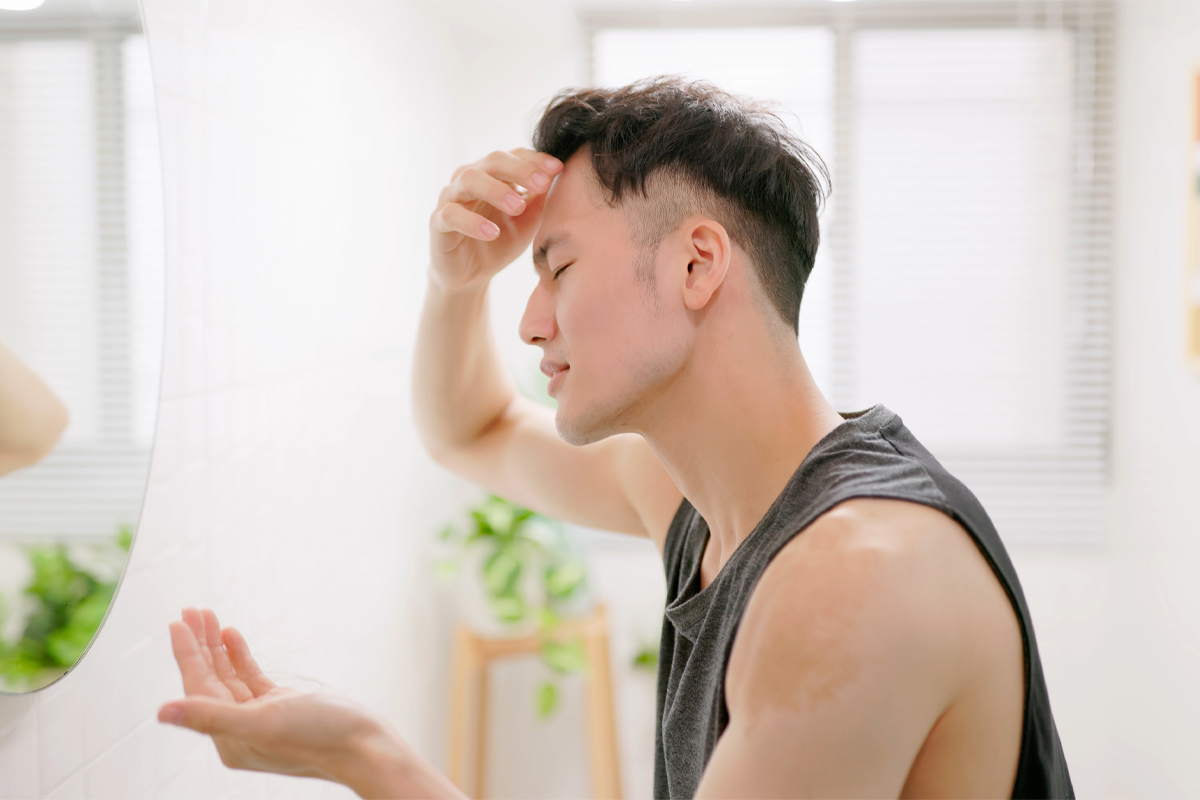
column 872, row 454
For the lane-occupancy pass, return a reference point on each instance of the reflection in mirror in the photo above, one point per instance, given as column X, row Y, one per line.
column 81, row 287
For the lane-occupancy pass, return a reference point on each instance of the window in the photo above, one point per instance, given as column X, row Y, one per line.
column 964, row 278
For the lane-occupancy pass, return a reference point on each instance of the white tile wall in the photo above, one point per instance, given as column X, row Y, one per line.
column 288, row 489
column 19, row 753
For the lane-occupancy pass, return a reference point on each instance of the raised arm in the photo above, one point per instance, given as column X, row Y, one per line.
column 467, row 411
column 32, row 418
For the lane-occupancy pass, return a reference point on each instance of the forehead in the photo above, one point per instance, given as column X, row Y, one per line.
column 575, row 204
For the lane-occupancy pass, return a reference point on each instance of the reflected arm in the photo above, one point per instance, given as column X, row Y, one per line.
column 32, row 417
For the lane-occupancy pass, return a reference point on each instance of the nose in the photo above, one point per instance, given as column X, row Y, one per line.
column 537, row 323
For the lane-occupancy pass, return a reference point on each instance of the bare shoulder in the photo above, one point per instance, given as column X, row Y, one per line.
column 873, row 582
column 878, row 656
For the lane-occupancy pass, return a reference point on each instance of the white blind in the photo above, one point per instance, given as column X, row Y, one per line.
column 965, row 275
column 81, row 277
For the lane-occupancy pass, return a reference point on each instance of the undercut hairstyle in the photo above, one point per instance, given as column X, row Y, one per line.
column 669, row 148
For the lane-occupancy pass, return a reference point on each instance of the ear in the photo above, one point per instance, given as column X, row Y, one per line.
column 709, row 250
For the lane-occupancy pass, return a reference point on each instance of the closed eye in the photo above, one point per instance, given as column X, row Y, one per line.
column 561, row 270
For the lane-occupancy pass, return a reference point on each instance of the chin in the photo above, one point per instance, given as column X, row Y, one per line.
column 617, row 409
column 571, row 432
column 580, row 429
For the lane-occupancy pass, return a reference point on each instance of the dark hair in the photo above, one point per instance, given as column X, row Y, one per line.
column 720, row 153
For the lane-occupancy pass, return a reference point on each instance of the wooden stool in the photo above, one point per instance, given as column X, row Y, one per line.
column 472, row 655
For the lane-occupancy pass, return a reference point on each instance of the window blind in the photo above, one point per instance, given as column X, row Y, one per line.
column 792, row 67
column 966, row 274
column 81, row 272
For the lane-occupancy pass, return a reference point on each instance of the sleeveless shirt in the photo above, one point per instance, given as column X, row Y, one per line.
column 871, row 454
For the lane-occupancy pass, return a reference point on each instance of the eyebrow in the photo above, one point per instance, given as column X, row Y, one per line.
column 539, row 255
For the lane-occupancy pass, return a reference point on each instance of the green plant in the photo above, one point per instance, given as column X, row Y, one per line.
column 646, row 658
column 519, row 544
column 69, row 603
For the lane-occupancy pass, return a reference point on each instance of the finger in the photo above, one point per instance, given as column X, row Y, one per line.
column 196, row 671
column 195, row 621
column 206, row 715
column 512, row 168
column 454, row 218
column 546, row 162
column 247, row 668
column 475, row 184
column 220, row 658
column 528, row 222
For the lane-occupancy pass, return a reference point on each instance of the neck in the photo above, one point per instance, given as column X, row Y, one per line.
column 753, row 413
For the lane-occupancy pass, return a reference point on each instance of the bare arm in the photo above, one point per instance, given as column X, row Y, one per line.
column 879, row 656
column 258, row 725
column 32, row 418
column 837, row 675
column 467, row 410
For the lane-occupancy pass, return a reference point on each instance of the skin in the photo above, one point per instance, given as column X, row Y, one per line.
column 878, row 656
column 32, row 418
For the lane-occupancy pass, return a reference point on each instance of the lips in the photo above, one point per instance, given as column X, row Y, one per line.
column 551, row 368
column 555, row 370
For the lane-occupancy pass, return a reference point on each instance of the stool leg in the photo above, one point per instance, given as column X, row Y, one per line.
column 602, row 729
column 481, row 733
column 464, row 665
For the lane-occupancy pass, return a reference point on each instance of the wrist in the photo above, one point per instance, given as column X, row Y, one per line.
column 450, row 288
column 383, row 765
column 375, row 767
column 455, row 304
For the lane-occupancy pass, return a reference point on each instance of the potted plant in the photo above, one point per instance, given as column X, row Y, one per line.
column 517, row 573
column 64, row 602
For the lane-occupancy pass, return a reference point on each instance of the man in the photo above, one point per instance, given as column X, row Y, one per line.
column 886, row 651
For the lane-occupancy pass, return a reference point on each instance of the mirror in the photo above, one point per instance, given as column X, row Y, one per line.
column 81, row 318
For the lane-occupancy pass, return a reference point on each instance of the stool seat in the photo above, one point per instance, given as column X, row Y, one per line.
column 474, row 653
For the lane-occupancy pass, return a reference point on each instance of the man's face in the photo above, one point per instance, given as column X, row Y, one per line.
column 611, row 343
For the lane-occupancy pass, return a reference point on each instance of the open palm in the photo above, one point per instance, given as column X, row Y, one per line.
column 255, row 723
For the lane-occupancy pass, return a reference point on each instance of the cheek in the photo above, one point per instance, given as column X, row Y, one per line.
column 613, row 333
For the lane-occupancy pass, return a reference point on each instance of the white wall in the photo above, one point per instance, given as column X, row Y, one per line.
column 1154, row 625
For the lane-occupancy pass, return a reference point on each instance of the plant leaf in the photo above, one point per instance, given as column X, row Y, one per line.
column 564, row 579
column 548, row 619
column 647, row 658
column 508, row 608
column 445, row 568
column 538, row 532
column 482, row 526
column 499, row 514
column 565, row 657
column 501, row 571
column 547, row 699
